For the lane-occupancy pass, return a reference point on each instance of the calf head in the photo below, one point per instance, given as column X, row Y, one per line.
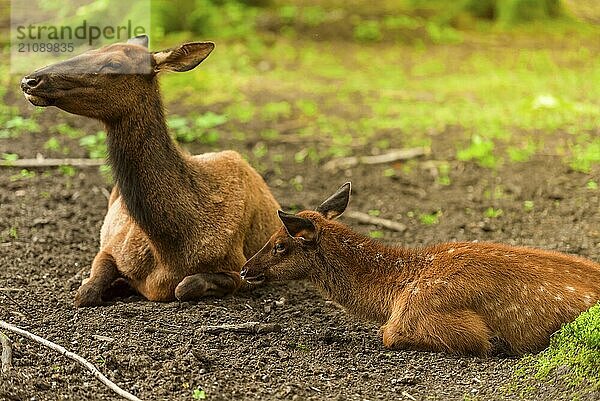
column 292, row 250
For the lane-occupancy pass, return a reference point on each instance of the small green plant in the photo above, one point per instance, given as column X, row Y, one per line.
column 313, row 15
column 429, row 219
column 202, row 129
column 12, row 233
column 302, row 347
column 492, row 213
column 528, row 205
column 269, row 134
column 376, row 234
column 443, row 177
column 368, row 31
column 68, row 171
column 374, row 212
column 17, row 125
column 307, row 107
column 481, row 150
column 95, row 144
column 260, row 150
column 296, row 182
column 585, row 155
column 199, row 394
column 591, row 184
column 52, row 144
column 275, row 110
column 442, row 34
column 389, row 172
column 24, row 174
column 67, row 130
column 522, row 154
column 10, row 157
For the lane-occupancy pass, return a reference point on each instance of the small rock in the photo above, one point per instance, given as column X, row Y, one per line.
column 267, row 308
column 280, row 302
column 408, row 380
column 39, row 222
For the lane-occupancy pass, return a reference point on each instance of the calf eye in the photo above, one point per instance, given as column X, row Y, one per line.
column 279, row 247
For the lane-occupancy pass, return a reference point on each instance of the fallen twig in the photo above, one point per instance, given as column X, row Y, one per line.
column 378, row 221
column 63, row 351
column 14, row 301
column 41, row 162
column 6, row 352
column 11, row 289
column 248, row 327
column 395, row 155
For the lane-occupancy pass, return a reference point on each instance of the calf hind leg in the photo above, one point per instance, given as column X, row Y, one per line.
column 462, row 332
column 202, row 285
column 104, row 272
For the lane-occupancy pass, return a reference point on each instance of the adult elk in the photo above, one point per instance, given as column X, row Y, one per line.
column 177, row 226
column 454, row 297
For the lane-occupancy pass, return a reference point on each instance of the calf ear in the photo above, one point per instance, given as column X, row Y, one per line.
column 182, row 58
column 297, row 227
column 335, row 205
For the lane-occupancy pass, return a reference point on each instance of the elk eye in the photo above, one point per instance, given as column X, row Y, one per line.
column 115, row 65
column 279, row 247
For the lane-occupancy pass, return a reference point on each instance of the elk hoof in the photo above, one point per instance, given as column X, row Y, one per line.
column 191, row 287
column 88, row 295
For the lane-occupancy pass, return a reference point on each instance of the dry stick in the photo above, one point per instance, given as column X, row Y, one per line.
column 63, row 351
column 395, row 155
column 378, row 221
column 6, row 353
column 14, row 301
column 248, row 327
column 30, row 163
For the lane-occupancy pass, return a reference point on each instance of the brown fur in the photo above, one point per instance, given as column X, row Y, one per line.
column 454, row 297
column 177, row 225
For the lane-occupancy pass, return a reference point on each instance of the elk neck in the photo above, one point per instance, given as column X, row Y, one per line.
column 158, row 185
column 360, row 274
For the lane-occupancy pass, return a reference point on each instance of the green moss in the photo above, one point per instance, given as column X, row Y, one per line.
column 573, row 357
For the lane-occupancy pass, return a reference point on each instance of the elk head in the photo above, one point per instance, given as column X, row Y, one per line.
column 291, row 251
column 109, row 82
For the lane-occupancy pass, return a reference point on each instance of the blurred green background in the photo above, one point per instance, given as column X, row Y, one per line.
column 508, row 79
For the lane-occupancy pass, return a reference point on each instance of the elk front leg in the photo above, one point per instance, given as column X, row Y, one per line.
column 462, row 331
column 211, row 284
column 202, row 285
column 104, row 272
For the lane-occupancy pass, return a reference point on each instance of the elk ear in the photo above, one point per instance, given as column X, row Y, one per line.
column 141, row 40
column 335, row 205
column 297, row 227
column 182, row 58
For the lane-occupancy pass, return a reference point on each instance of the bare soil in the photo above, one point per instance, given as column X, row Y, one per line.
column 49, row 227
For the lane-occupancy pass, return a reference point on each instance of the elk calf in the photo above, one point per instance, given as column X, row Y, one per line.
column 177, row 225
column 453, row 297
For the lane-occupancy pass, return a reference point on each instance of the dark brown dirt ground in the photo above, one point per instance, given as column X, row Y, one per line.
column 154, row 349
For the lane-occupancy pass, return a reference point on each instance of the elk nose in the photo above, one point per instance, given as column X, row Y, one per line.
column 244, row 272
column 30, row 82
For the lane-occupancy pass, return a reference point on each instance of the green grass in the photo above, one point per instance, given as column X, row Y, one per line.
column 500, row 95
column 502, row 104
column 574, row 351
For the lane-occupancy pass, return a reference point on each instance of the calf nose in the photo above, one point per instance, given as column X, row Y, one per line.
column 244, row 272
column 30, row 82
